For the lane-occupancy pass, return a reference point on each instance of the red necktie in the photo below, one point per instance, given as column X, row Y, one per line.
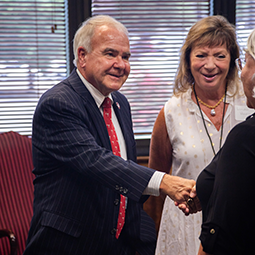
column 107, row 104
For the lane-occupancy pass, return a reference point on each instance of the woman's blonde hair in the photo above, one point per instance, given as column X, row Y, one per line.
column 210, row 31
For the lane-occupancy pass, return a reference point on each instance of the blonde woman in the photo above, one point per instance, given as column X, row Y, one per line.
column 207, row 103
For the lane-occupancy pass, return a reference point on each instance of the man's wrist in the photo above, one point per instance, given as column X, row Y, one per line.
column 154, row 184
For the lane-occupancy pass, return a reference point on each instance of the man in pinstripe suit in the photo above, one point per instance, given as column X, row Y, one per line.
column 78, row 179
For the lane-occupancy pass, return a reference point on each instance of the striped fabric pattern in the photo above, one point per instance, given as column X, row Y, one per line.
column 78, row 179
column 16, row 188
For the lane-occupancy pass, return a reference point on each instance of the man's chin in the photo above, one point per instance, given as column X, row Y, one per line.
column 116, row 85
column 111, row 88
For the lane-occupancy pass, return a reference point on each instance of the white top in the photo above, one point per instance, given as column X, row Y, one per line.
column 192, row 151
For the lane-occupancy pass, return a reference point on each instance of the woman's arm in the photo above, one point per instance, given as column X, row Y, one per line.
column 160, row 157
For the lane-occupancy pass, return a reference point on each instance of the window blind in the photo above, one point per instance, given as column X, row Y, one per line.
column 245, row 21
column 32, row 57
column 157, row 30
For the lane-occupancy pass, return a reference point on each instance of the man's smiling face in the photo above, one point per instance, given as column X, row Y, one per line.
column 107, row 66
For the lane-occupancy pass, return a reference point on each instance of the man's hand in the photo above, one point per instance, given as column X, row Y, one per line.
column 192, row 205
column 177, row 188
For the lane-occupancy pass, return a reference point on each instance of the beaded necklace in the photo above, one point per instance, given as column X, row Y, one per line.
column 197, row 99
column 209, row 106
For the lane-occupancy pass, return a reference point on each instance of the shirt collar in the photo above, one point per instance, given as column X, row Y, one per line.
column 96, row 94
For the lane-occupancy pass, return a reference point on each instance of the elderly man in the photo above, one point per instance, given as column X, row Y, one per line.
column 89, row 192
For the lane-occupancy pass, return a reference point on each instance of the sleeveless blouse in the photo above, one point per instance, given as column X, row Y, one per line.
column 192, row 151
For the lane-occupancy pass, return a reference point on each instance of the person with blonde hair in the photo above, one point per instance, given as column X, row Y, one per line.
column 192, row 126
column 226, row 184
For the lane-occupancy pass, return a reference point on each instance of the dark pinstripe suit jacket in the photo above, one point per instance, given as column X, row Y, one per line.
column 79, row 181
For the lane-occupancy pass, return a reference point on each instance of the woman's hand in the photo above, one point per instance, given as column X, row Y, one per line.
column 192, row 205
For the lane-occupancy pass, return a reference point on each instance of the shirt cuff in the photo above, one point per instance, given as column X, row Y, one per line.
column 154, row 184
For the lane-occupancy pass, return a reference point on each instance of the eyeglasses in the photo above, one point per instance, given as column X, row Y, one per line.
column 240, row 63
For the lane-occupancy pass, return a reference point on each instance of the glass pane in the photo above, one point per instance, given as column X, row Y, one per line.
column 245, row 20
column 32, row 57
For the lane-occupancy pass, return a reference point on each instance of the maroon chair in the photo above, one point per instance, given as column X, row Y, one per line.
column 16, row 191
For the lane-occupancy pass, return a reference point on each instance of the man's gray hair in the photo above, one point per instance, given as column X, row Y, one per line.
column 251, row 44
column 86, row 31
column 251, row 50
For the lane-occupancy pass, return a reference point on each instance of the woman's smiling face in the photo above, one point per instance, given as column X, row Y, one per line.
column 210, row 66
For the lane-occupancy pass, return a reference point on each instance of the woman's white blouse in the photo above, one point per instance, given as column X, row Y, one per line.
column 192, row 151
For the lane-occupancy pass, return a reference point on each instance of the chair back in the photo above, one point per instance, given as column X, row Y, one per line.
column 16, row 188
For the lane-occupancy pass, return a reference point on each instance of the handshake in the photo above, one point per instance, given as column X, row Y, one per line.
column 182, row 191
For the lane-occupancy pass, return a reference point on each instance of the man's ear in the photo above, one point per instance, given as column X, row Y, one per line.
column 82, row 56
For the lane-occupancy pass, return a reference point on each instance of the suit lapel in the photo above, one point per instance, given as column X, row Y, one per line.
column 96, row 116
column 91, row 106
column 118, row 108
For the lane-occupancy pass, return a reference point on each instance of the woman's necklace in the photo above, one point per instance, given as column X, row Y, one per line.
column 209, row 106
column 222, row 123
